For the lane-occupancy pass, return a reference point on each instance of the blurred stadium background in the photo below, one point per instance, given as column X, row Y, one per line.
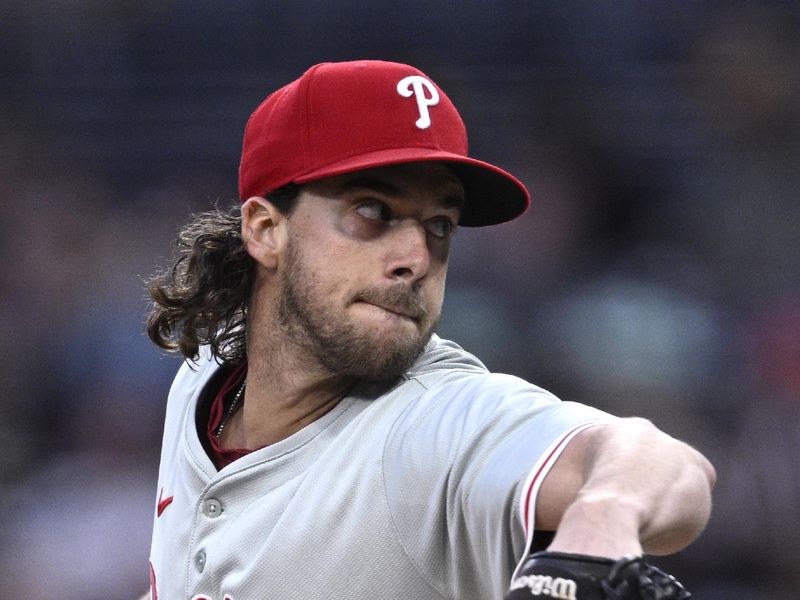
column 657, row 274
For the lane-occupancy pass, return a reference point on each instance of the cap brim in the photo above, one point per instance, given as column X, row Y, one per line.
column 492, row 195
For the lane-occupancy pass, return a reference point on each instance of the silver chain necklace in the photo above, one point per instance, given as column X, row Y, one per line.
column 231, row 409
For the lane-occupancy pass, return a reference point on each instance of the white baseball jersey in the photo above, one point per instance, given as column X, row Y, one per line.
column 422, row 490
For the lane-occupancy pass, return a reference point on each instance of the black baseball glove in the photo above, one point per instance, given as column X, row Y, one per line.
column 578, row 577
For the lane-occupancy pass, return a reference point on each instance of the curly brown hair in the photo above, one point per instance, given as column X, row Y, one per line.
column 202, row 299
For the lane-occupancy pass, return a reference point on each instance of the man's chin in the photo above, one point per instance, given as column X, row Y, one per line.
column 382, row 358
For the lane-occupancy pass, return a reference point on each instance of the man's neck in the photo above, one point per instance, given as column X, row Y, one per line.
column 281, row 398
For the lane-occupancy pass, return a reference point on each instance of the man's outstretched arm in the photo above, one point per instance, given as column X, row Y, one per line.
column 625, row 487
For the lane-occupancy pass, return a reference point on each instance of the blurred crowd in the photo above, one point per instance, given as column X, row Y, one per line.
column 657, row 273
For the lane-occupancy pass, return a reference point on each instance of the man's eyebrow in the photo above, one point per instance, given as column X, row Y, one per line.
column 366, row 182
column 453, row 201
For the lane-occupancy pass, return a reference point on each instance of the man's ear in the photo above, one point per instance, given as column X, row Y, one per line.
column 263, row 231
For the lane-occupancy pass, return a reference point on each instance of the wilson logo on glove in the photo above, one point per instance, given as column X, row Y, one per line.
column 544, row 585
column 577, row 576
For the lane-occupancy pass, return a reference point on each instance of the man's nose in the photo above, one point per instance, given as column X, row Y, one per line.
column 409, row 256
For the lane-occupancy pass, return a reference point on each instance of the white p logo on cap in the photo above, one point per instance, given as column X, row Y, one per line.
column 415, row 85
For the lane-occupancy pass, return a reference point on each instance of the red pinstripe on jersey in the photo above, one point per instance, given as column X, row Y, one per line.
column 534, row 482
column 540, row 471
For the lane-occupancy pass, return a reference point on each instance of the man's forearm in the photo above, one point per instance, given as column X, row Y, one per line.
column 642, row 491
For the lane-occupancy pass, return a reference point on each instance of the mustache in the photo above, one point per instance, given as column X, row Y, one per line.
column 397, row 296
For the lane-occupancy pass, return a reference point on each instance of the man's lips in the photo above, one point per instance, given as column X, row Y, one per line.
column 399, row 301
column 396, row 310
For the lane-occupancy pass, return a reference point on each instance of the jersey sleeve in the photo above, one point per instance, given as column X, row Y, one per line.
column 463, row 470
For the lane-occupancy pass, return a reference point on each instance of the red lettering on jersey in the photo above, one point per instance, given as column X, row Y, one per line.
column 153, row 589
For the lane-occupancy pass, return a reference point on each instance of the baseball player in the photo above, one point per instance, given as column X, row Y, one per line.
column 322, row 442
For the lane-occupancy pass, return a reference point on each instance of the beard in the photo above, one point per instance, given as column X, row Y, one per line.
column 344, row 347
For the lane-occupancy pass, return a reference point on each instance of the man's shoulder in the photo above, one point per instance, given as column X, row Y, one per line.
column 445, row 363
column 441, row 355
column 194, row 374
column 448, row 378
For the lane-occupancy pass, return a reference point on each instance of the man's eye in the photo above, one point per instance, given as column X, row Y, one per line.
column 440, row 228
column 377, row 211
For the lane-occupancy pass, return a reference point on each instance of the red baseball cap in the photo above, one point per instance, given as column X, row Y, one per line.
column 343, row 117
